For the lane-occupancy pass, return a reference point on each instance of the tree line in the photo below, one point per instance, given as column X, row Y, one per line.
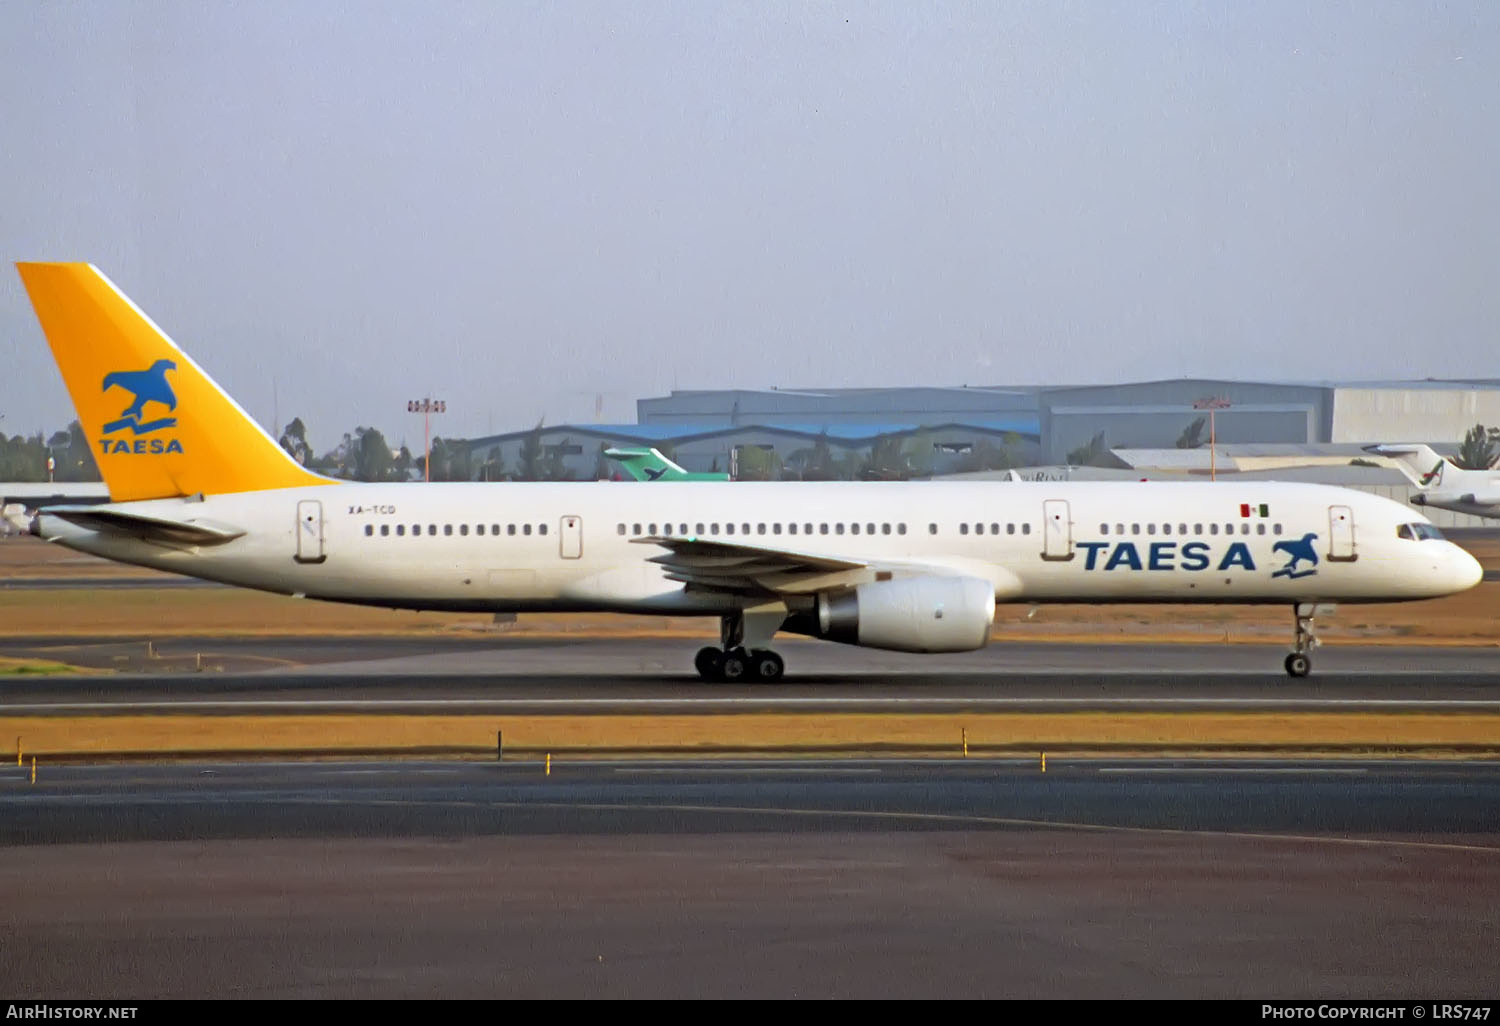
column 23, row 458
column 365, row 455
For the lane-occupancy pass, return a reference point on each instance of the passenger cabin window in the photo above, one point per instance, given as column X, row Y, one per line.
column 541, row 529
column 526, row 529
column 963, row 528
column 447, row 529
column 932, row 528
column 900, row 528
column 385, row 529
column 1025, row 528
column 620, row 529
column 463, row 529
column 369, row 530
column 401, row 530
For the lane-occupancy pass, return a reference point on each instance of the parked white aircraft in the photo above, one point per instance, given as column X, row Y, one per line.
column 198, row 488
column 1443, row 485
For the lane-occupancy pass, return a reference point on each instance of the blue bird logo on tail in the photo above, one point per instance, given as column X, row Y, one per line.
column 1301, row 551
column 148, row 386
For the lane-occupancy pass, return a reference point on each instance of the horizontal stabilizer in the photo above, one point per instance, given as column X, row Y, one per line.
column 151, row 528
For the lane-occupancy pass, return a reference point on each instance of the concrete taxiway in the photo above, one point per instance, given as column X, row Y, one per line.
column 786, row 879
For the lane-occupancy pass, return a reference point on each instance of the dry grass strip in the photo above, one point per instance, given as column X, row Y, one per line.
column 179, row 734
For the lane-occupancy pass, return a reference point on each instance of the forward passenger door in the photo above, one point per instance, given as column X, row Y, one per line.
column 1341, row 535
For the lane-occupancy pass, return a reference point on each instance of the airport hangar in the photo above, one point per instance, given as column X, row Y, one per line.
column 1294, row 424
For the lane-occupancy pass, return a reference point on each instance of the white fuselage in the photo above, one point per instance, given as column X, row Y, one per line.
column 540, row 547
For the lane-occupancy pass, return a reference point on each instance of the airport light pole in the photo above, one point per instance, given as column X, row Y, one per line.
column 1212, row 404
column 427, row 407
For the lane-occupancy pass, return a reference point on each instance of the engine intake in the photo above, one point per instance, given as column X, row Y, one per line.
column 913, row 614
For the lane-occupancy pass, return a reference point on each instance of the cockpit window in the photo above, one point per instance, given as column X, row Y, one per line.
column 1419, row 532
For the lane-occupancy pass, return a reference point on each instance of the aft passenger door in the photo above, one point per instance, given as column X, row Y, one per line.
column 570, row 537
column 1057, row 530
column 310, row 532
column 1341, row 535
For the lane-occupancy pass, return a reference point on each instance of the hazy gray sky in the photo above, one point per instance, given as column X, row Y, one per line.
column 335, row 207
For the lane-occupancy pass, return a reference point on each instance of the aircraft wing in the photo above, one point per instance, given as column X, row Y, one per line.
column 738, row 567
column 147, row 526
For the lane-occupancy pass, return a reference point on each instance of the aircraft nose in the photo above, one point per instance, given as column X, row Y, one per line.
column 1464, row 570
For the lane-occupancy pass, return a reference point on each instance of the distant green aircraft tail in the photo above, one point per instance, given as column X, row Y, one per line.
column 651, row 465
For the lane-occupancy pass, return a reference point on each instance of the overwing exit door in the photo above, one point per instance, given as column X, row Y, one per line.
column 570, row 538
column 1057, row 530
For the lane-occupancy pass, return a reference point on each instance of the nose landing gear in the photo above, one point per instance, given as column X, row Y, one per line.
column 1299, row 661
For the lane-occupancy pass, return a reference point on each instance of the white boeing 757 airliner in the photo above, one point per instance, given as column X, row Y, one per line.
column 197, row 488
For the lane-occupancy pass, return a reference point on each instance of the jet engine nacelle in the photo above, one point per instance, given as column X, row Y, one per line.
column 913, row 614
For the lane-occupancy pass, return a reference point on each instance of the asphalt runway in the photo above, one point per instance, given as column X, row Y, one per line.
column 887, row 878
column 600, row 674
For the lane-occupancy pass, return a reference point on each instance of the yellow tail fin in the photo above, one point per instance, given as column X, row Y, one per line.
column 158, row 425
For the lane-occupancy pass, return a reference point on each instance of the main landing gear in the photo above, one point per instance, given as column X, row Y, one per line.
column 743, row 656
column 1299, row 661
column 738, row 664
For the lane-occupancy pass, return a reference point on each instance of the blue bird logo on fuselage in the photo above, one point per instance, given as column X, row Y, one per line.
column 1301, row 551
column 148, row 386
